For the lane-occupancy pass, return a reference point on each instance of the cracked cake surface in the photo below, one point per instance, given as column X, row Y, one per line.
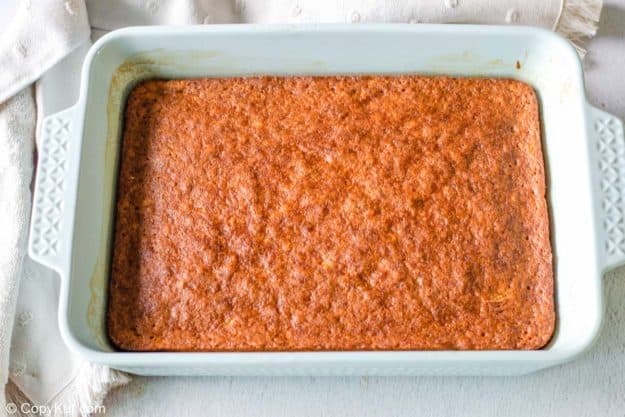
column 331, row 213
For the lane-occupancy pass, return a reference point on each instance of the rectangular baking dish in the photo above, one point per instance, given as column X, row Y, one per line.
column 75, row 184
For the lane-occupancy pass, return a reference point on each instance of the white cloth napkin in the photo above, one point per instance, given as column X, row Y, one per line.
column 42, row 33
column 17, row 132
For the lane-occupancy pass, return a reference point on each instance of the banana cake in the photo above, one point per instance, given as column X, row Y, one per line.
column 331, row 213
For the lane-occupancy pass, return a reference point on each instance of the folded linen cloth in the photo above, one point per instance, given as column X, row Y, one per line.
column 42, row 32
column 17, row 132
column 574, row 19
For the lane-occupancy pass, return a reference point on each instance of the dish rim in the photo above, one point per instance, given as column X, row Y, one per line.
column 134, row 359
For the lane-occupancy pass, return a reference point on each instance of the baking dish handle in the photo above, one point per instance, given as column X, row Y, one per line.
column 609, row 150
column 51, row 225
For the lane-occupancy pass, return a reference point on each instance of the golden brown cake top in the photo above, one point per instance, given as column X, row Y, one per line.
column 331, row 213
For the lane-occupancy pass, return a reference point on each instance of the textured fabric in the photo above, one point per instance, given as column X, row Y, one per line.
column 60, row 25
column 114, row 14
column 41, row 34
column 17, row 131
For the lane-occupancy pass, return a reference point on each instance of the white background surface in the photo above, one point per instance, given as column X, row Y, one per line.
column 594, row 385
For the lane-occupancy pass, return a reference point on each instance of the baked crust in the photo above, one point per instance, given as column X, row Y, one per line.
column 331, row 213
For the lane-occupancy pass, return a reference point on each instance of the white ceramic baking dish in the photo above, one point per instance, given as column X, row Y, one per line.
column 584, row 151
